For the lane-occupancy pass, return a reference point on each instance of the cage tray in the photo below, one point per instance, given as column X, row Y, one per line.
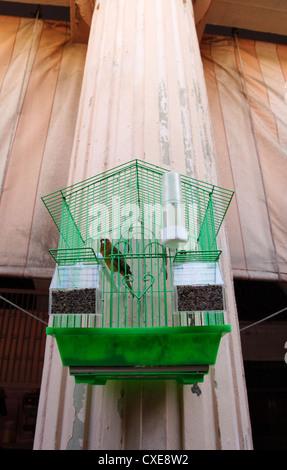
column 99, row 375
column 141, row 348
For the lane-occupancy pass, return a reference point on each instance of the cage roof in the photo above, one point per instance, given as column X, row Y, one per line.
column 144, row 185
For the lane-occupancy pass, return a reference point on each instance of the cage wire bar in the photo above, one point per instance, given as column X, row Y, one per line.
column 124, row 205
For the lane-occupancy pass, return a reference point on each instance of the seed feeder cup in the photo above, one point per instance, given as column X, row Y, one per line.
column 199, row 290
column 75, row 295
column 137, row 291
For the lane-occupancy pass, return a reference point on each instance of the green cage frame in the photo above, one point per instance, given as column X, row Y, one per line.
column 124, row 204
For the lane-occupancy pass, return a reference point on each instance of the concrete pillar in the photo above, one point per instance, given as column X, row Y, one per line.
column 144, row 96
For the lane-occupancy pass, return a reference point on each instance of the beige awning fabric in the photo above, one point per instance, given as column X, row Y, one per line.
column 40, row 82
column 247, row 90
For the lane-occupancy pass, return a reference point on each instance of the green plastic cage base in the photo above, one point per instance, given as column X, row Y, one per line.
column 140, row 347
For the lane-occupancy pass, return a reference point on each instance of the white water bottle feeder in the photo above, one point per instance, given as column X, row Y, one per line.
column 174, row 233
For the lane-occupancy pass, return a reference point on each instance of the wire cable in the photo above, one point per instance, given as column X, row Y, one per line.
column 263, row 319
column 25, row 311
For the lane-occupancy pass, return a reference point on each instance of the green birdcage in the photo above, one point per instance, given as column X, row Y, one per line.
column 137, row 290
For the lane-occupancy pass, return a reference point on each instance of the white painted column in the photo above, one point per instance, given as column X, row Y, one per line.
column 144, row 97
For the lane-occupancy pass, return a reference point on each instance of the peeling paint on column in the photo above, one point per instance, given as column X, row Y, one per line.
column 183, row 98
column 207, row 152
column 203, row 117
column 195, row 389
column 77, row 439
column 163, row 130
column 163, row 122
column 120, row 404
column 187, row 138
column 219, row 433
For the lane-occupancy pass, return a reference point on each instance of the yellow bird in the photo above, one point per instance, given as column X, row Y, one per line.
column 119, row 264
